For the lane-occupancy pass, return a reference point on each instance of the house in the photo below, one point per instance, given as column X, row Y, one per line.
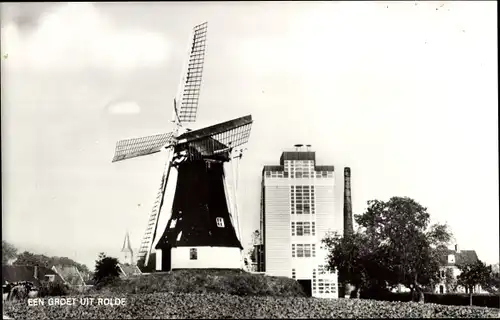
column 128, row 270
column 34, row 274
column 450, row 261
column 70, row 275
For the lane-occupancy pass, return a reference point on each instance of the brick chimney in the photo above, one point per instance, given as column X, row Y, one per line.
column 348, row 224
column 457, row 249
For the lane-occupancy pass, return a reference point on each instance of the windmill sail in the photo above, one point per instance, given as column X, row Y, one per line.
column 131, row 148
column 217, row 138
column 192, row 81
column 150, row 233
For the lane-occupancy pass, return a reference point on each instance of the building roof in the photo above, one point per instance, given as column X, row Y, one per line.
column 69, row 274
column 282, row 168
column 324, row 168
column 129, row 270
column 297, row 155
column 461, row 257
column 27, row 273
column 273, row 168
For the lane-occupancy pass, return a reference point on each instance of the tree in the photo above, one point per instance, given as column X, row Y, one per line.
column 348, row 256
column 474, row 274
column 9, row 252
column 106, row 269
column 409, row 249
column 358, row 262
column 30, row 259
column 450, row 281
column 494, row 284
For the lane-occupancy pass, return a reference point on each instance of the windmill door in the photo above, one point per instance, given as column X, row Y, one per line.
column 166, row 259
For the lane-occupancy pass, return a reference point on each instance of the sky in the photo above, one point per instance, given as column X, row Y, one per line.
column 404, row 93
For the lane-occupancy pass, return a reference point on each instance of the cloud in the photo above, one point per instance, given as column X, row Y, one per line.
column 123, row 107
column 77, row 36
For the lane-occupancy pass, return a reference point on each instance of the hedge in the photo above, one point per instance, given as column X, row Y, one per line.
column 223, row 306
column 457, row 299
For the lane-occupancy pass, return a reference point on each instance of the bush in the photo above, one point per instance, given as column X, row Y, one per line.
column 208, row 281
column 49, row 289
column 223, row 306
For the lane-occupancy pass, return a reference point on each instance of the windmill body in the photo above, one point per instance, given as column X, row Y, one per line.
column 202, row 229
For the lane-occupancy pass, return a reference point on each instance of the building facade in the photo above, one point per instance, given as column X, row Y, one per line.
column 449, row 271
column 297, row 210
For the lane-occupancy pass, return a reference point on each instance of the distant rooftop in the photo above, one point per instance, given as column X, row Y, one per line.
column 299, row 153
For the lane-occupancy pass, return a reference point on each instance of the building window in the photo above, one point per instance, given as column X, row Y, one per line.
column 326, row 286
column 293, row 274
column 302, row 199
column 303, row 228
column 50, row 277
column 193, row 254
column 442, row 273
column 301, row 250
column 451, row 258
column 314, row 280
column 321, row 270
column 220, row 222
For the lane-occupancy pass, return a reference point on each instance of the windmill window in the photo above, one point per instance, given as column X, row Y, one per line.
column 50, row 277
column 193, row 254
column 220, row 222
column 172, row 223
column 179, row 236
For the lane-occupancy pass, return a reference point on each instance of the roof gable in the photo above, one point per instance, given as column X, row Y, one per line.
column 461, row 257
column 26, row 273
column 129, row 270
column 69, row 274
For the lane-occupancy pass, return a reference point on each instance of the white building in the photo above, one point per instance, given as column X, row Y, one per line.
column 450, row 261
column 297, row 210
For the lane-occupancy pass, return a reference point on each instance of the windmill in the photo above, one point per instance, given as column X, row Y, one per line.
column 203, row 228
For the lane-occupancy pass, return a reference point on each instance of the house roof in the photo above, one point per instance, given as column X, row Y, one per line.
column 461, row 257
column 69, row 274
column 27, row 273
column 129, row 270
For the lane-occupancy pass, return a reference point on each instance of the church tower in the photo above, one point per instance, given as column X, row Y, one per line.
column 128, row 253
